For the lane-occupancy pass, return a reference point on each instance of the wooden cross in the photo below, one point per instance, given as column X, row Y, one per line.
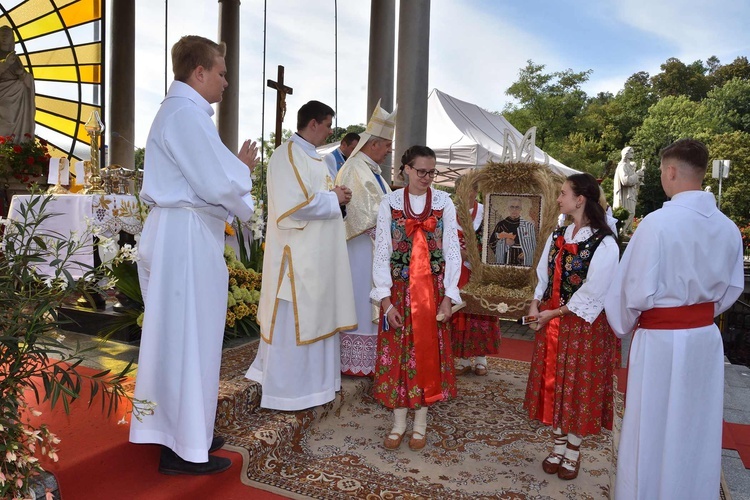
column 281, row 93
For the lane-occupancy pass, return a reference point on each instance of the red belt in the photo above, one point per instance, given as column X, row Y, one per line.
column 677, row 318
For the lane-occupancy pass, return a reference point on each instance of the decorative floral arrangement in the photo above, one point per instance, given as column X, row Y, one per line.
column 34, row 362
column 24, row 159
column 243, row 296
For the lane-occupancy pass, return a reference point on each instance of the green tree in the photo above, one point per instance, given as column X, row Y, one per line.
column 551, row 102
column 339, row 133
column 733, row 146
column 677, row 78
column 728, row 107
column 672, row 118
column 739, row 68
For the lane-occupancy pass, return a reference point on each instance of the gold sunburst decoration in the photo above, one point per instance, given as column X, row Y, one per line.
column 61, row 45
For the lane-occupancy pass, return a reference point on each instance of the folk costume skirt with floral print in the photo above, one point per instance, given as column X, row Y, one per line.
column 396, row 381
column 570, row 383
column 475, row 335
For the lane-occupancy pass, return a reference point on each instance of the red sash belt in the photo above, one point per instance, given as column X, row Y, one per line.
column 424, row 309
column 677, row 318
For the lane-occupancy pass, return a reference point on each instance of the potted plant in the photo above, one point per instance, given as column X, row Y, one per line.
column 23, row 163
column 35, row 364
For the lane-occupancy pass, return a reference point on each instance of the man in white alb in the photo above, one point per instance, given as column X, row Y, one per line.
column 193, row 184
column 682, row 268
column 361, row 173
column 306, row 295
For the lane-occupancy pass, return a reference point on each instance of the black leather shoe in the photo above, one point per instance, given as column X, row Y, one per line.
column 170, row 463
column 99, row 304
column 217, row 444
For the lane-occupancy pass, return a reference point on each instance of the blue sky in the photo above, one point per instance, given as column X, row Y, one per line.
column 476, row 47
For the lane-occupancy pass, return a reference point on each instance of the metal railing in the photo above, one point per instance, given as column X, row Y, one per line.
column 735, row 332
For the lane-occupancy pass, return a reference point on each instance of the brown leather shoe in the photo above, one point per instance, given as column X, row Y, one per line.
column 480, row 369
column 463, row 370
column 417, row 443
column 549, row 466
column 393, row 440
column 565, row 472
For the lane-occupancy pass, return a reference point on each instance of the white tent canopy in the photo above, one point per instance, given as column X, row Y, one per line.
column 463, row 135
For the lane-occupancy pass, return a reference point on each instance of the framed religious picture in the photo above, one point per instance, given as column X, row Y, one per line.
column 512, row 226
column 519, row 214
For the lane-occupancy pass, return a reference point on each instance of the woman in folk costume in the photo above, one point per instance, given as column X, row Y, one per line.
column 415, row 271
column 474, row 335
column 570, row 382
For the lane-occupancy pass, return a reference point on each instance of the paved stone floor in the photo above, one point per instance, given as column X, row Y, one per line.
column 115, row 355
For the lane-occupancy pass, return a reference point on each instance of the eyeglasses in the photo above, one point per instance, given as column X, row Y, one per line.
column 423, row 173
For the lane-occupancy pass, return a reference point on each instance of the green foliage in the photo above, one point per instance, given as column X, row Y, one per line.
column 735, row 195
column 728, row 107
column 339, row 133
column 678, row 79
column 140, row 154
column 552, row 100
column 35, row 364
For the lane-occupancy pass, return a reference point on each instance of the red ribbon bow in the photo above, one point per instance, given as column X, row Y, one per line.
column 428, row 225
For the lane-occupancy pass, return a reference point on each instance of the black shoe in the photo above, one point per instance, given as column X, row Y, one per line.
column 125, row 303
column 216, row 444
column 99, row 304
column 170, row 463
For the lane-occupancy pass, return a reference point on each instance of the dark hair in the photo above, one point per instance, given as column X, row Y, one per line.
column 587, row 186
column 192, row 51
column 313, row 110
column 689, row 151
column 413, row 153
column 349, row 138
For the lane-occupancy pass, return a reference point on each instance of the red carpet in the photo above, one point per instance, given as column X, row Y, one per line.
column 97, row 461
column 737, row 437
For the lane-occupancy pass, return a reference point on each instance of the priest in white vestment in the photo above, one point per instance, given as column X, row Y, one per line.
column 361, row 173
column 682, row 268
column 193, row 184
column 306, row 295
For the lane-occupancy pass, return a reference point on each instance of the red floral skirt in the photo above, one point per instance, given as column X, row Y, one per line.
column 475, row 335
column 396, row 383
column 578, row 394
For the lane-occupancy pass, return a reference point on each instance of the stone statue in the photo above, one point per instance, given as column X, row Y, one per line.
column 627, row 180
column 17, row 107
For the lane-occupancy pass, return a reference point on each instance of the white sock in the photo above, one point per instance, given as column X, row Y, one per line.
column 420, row 421
column 560, row 444
column 463, row 362
column 399, row 421
column 572, row 454
column 481, row 360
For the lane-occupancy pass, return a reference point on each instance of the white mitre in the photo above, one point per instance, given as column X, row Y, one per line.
column 381, row 124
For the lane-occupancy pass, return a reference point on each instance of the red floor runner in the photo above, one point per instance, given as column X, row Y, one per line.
column 97, row 461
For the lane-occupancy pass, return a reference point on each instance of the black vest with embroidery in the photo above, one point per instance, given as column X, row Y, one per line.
column 575, row 267
column 401, row 255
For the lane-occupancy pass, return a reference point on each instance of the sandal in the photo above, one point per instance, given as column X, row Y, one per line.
column 571, row 471
column 480, row 369
column 393, row 440
column 416, row 444
column 463, row 370
column 551, row 464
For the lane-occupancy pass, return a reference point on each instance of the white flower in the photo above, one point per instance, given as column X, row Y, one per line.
column 4, row 222
column 502, row 307
column 122, row 421
column 48, row 281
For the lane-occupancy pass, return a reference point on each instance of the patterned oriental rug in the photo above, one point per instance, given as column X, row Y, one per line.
column 481, row 445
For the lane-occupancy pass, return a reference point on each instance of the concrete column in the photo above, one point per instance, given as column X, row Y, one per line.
column 411, row 76
column 227, row 113
column 121, row 124
column 381, row 67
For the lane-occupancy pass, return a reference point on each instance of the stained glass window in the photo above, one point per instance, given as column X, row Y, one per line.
column 60, row 42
